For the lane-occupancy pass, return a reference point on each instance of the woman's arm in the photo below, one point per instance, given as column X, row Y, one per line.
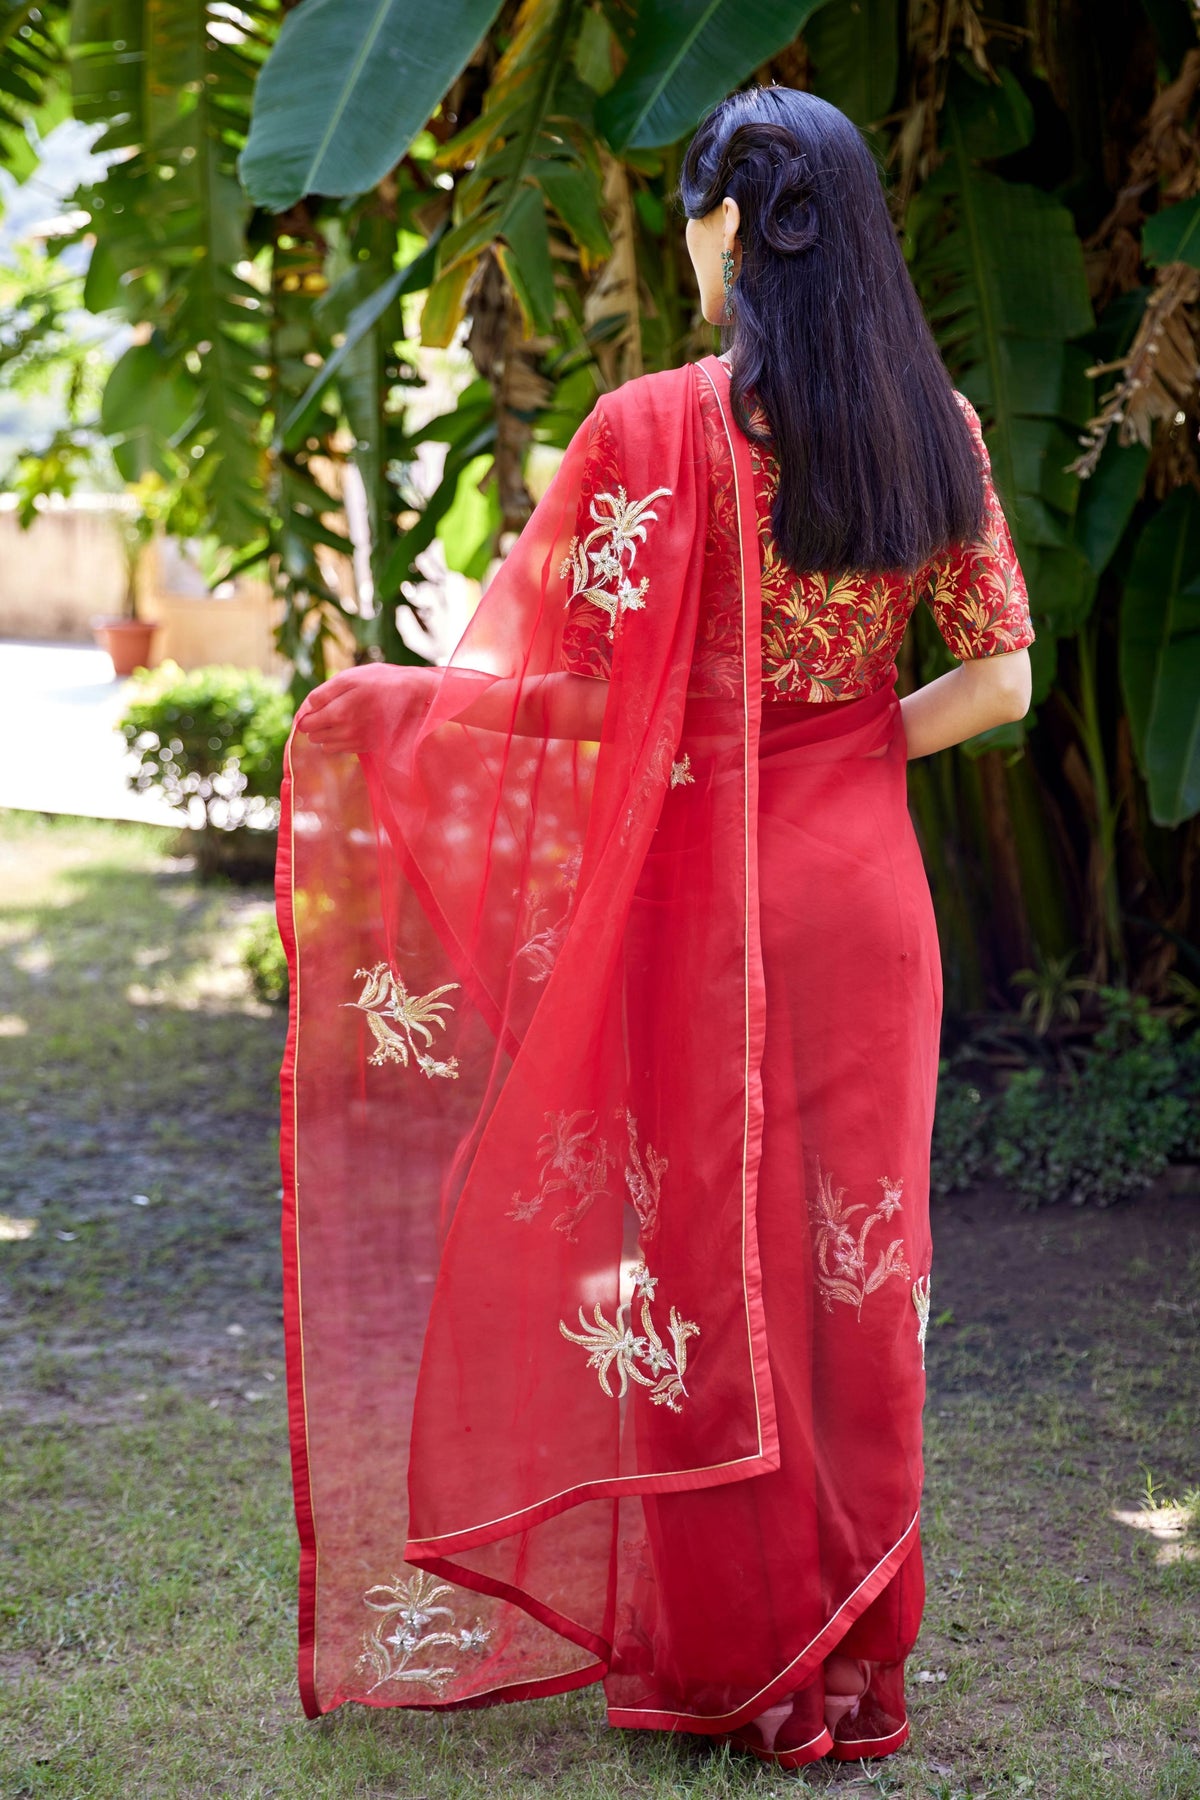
column 987, row 691
column 360, row 708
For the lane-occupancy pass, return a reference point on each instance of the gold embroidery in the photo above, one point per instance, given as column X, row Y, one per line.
column 842, row 1271
column 573, row 1161
column 920, row 1299
column 643, row 1178
column 385, row 997
column 542, row 946
column 597, row 564
column 616, row 1345
column 410, row 1608
column 540, row 950
column 661, row 771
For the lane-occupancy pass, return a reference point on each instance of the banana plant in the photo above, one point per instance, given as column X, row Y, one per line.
column 33, row 78
column 1000, row 270
column 1160, row 656
column 529, row 168
column 171, row 85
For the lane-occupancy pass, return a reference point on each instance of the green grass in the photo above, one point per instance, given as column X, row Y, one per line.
column 147, row 1551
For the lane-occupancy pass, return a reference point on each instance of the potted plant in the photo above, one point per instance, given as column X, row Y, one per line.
column 129, row 638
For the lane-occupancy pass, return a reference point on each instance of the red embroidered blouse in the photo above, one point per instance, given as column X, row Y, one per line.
column 833, row 637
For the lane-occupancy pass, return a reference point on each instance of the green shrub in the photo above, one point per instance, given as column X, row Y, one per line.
column 962, row 1135
column 1101, row 1136
column 210, row 743
column 265, row 961
column 1099, row 1133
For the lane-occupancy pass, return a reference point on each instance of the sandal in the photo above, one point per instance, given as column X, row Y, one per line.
column 840, row 1704
column 761, row 1734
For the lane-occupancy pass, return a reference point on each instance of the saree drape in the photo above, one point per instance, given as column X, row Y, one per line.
column 606, row 1114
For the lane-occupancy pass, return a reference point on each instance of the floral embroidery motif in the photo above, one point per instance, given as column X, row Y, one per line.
column 409, row 1609
column 574, row 1161
column 842, row 1271
column 388, row 1003
column 615, row 1345
column 599, row 564
column 661, row 771
column 540, row 949
column 577, row 1162
column 643, row 1179
column 920, row 1299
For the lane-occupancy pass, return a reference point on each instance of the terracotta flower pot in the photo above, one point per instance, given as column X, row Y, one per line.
column 128, row 642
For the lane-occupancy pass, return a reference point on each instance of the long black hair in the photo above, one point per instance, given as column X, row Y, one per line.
column 877, row 466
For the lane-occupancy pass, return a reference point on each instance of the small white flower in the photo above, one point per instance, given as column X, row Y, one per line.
column 524, row 1210
column 893, row 1192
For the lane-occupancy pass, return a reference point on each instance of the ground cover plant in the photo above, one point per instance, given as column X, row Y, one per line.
column 1092, row 1123
column 147, row 1560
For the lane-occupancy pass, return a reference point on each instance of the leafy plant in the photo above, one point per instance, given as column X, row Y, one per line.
column 962, row 1147
column 1099, row 1130
column 346, row 90
column 1051, row 992
column 1160, row 656
column 686, row 56
column 171, row 85
column 211, row 744
column 265, row 961
column 1105, row 1132
column 1000, row 269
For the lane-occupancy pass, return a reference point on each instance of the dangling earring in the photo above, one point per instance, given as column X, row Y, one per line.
column 727, row 278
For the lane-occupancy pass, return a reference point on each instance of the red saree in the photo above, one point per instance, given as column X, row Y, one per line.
column 606, row 1116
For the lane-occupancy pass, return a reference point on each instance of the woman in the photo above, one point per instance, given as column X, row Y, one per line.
column 615, row 1006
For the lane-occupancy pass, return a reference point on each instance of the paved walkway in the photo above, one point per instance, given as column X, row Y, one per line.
column 59, row 749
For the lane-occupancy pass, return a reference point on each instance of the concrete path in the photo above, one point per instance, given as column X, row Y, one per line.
column 59, row 749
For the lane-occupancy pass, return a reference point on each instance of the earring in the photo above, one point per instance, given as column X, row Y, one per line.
column 727, row 278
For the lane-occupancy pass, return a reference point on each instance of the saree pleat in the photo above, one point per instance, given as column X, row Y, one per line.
column 607, row 1104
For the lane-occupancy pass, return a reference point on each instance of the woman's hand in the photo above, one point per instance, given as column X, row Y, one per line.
column 359, row 709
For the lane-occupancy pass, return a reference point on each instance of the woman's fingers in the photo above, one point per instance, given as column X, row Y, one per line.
column 339, row 687
column 332, row 713
column 338, row 715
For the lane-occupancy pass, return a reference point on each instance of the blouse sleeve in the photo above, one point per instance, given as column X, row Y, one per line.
column 589, row 624
column 976, row 590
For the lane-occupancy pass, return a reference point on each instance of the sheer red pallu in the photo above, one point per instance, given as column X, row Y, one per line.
column 606, row 1115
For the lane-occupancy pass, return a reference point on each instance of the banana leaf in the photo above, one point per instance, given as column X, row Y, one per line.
column 148, row 400
column 854, row 48
column 685, row 56
column 1000, row 270
column 1173, row 235
column 1160, row 656
column 346, row 89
